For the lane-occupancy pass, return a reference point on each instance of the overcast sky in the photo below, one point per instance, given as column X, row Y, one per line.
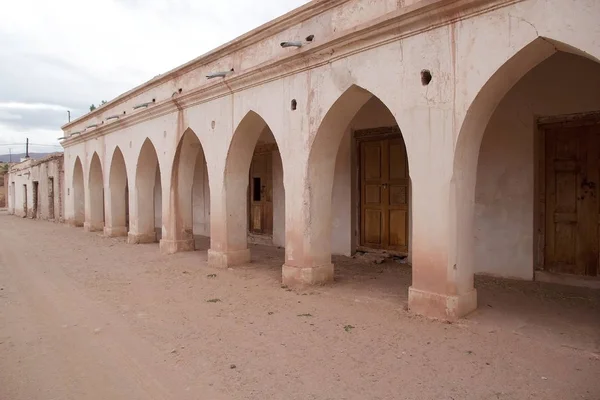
column 67, row 54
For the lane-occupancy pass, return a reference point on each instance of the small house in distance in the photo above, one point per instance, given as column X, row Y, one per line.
column 35, row 188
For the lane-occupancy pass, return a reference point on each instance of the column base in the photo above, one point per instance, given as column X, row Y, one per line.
column 74, row 223
column 176, row 246
column 221, row 259
column 141, row 238
column 91, row 227
column 441, row 306
column 115, row 231
column 306, row 276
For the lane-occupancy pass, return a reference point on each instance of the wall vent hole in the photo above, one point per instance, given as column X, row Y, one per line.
column 425, row 77
column 294, row 104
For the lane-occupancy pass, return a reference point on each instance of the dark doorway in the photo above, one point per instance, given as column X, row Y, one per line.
column 51, row 198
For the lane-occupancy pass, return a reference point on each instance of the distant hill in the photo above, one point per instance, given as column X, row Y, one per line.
column 17, row 157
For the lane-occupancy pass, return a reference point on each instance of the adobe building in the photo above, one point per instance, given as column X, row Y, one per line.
column 3, row 189
column 35, row 188
column 464, row 134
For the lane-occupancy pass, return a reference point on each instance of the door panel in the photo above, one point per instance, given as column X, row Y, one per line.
column 397, row 196
column 373, row 227
column 384, row 194
column 372, row 196
column 261, row 194
column 398, row 237
column 572, row 207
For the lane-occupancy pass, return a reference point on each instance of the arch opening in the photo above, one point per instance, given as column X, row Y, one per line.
column 95, row 219
column 190, row 186
column 146, row 227
column 359, row 183
column 519, row 167
column 118, row 187
column 78, row 194
column 255, row 194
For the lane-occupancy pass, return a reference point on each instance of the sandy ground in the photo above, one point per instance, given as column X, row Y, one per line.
column 86, row 317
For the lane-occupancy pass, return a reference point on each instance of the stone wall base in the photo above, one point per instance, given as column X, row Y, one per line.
column 91, row 227
column 176, row 246
column 115, row 231
column 306, row 276
column 140, row 238
column 228, row 259
column 441, row 306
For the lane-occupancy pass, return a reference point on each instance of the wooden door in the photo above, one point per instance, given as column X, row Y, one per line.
column 384, row 194
column 261, row 194
column 572, row 207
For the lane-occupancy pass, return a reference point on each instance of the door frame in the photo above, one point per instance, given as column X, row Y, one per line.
column 541, row 125
column 254, row 237
column 35, row 199
column 371, row 135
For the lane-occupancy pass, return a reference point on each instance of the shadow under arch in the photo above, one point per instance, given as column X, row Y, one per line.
column 78, row 193
column 117, row 215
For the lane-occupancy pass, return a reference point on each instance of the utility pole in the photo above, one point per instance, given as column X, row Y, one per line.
column 69, row 114
column 10, row 155
column 27, row 148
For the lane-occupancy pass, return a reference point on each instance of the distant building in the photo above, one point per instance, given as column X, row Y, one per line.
column 35, row 188
column 3, row 185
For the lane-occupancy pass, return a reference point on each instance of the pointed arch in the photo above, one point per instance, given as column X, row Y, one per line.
column 325, row 169
column 95, row 214
column 469, row 141
column 243, row 143
column 78, row 193
column 147, row 222
column 230, row 245
column 190, row 196
column 117, row 213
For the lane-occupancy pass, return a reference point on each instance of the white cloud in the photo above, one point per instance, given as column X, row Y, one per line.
column 8, row 116
column 41, row 140
column 67, row 54
column 13, row 105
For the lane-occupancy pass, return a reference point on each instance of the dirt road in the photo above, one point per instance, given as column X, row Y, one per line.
column 85, row 317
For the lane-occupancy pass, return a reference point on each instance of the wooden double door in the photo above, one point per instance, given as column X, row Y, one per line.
column 384, row 193
column 572, row 203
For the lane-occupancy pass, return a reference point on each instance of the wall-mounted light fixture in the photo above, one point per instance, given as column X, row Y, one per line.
column 116, row 116
column 221, row 74
column 91, row 126
column 298, row 43
column 75, row 133
column 144, row 105
column 62, row 138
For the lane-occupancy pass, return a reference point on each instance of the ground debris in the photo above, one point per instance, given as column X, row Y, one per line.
column 379, row 257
